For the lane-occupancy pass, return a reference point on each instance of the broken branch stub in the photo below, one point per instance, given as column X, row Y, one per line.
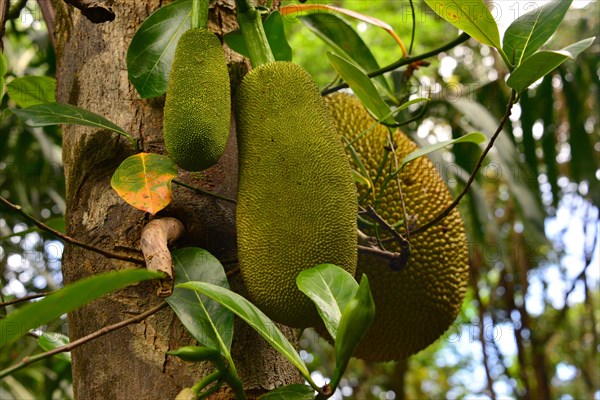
column 156, row 236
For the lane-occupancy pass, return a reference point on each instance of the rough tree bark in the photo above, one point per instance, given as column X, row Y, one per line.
column 131, row 363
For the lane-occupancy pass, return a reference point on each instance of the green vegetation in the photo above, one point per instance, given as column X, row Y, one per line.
column 529, row 324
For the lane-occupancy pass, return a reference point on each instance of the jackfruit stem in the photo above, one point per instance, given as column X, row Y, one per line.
column 254, row 34
column 199, row 17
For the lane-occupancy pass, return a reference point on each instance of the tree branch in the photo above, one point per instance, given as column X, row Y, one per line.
column 23, row 299
column 4, row 6
column 405, row 61
column 69, row 239
column 15, row 9
column 202, row 191
column 68, row 347
column 397, row 260
column 156, row 236
column 94, row 10
column 465, row 190
column 49, row 15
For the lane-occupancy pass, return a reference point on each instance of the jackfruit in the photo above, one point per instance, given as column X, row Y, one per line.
column 297, row 201
column 418, row 303
column 197, row 112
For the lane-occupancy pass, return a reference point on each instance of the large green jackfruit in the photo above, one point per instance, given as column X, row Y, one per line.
column 297, row 200
column 418, row 303
column 197, row 112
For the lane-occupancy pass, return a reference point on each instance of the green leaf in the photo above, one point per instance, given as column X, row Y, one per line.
column 471, row 16
column 362, row 86
column 276, row 37
column 144, row 181
column 357, row 318
column 341, row 37
column 255, row 318
column 32, row 90
column 530, row 31
column 57, row 113
column 3, row 66
column 330, row 288
column 49, row 341
column 543, row 62
column 473, row 137
column 274, row 30
column 152, row 49
column 67, row 299
column 208, row 322
column 360, row 179
column 290, row 392
column 6, row 112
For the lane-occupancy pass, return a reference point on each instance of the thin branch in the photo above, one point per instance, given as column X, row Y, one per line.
column 377, row 252
column 465, row 190
column 69, row 239
column 396, row 262
column 23, row 299
column 399, row 183
column 565, row 309
column 202, row 191
column 68, row 347
column 405, row 61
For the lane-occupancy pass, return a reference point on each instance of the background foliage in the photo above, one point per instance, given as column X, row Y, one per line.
column 529, row 326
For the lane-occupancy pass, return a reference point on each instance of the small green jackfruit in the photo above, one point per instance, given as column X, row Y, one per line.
column 197, row 112
column 297, row 202
column 418, row 303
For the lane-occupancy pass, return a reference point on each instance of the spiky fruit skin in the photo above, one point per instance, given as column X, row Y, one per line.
column 297, row 200
column 197, row 112
column 419, row 303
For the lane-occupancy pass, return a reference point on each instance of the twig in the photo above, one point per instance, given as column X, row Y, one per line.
column 377, row 252
column 202, row 191
column 405, row 61
column 395, row 263
column 23, row 299
column 68, row 347
column 565, row 309
column 69, row 239
column 232, row 272
column 465, row 190
column 399, row 183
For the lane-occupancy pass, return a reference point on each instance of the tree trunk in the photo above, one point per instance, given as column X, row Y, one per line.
column 131, row 363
